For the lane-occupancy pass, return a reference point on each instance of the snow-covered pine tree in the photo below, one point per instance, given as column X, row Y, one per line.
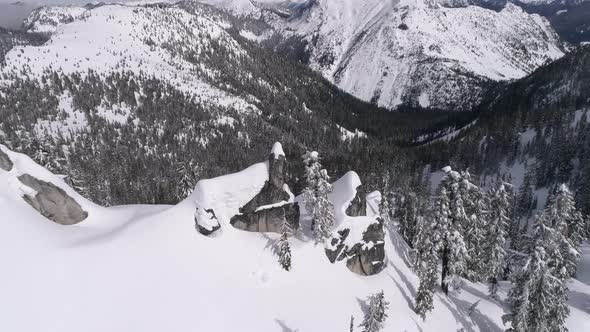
column 525, row 197
column 75, row 180
column 539, row 294
column 562, row 215
column 427, row 268
column 283, row 246
column 385, row 205
column 494, row 248
column 284, row 252
column 376, row 313
column 315, row 196
column 439, row 241
column 406, row 215
column 186, row 179
column 450, row 220
column 471, row 208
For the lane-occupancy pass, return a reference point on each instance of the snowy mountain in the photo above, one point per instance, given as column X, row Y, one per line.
column 165, row 42
column 419, row 52
column 146, row 268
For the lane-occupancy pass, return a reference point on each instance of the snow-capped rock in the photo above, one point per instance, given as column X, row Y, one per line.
column 420, row 52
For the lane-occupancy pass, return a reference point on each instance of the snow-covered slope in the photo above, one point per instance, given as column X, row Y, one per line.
column 146, row 268
column 164, row 42
column 419, row 51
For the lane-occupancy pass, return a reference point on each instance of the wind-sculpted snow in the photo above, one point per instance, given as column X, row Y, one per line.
column 419, row 52
column 146, row 268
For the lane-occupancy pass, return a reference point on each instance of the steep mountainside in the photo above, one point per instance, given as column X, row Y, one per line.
column 418, row 52
column 165, row 84
column 539, row 125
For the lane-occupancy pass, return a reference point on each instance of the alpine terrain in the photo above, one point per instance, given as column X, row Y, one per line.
column 309, row 165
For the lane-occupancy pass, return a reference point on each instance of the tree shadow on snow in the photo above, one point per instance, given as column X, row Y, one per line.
column 408, row 287
column 460, row 312
column 284, row 326
column 364, row 305
column 401, row 247
column 580, row 300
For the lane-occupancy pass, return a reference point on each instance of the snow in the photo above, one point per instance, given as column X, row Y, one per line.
column 424, row 100
column 527, row 136
column 225, row 121
column 253, row 37
column 578, row 115
column 349, row 135
column 272, row 206
column 120, row 38
column 67, row 122
column 374, row 57
column 344, row 191
column 373, row 201
column 118, row 113
column 277, row 150
column 288, row 191
column 146, row 268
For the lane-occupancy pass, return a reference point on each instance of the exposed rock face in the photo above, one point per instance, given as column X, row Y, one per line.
column 267, row 210
column 5, row 162
column 268, row 220
column 366, row 257
column 206, row 221
column 358, row 206
column 53, row 202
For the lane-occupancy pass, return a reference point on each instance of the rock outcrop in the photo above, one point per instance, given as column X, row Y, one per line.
column 53, row 202
column 273, row 205
column 358, row 206
column 5, row 162
column 364, row 256
column 268, row 219
column 206, row 221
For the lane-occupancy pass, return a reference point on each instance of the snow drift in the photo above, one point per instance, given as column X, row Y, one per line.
column 146, row 268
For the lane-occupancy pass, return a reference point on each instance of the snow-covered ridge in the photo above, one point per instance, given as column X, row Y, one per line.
column 48, row 19
column 419, row 52
column 165, row 42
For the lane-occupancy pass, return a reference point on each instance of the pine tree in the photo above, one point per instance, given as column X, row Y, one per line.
column 407, row 216
column 75, row 180
column 470, row 209
column 186, row 179
column 450, row 219
column 525, row 197
column 385, row 205
column 427, row 268
column 376, row 314
column 494, row 249
column 562, row 215
column 539, row 294
column 315, row 196
column 284, row 252
column 283, row 248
